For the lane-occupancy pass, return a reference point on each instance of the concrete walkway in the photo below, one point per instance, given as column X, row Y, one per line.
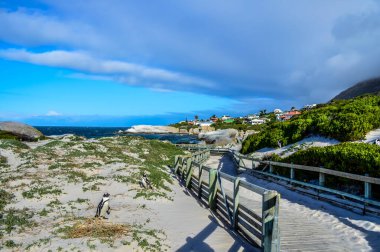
column 307, row 224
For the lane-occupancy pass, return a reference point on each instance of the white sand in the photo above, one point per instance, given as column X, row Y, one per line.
column 284, row 151
column 372, row 136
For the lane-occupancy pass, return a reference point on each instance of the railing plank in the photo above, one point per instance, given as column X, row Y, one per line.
column 347, row 175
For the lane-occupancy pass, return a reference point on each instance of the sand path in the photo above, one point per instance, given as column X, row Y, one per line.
column 191, row 227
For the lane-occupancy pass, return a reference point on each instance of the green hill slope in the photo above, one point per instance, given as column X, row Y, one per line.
column 344, row 120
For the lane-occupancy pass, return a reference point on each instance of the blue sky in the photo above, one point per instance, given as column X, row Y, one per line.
column 118, row 63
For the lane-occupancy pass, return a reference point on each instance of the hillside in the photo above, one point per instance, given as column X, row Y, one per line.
column 49, row 191
column 344, row 120
column 371, row 86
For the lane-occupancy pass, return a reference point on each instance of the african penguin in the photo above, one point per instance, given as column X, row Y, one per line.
column 103, row 207
column 145, row 181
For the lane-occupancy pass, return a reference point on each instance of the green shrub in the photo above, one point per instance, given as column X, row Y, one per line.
column 5, row 198
column 8, row 135
column 3, row 160
column 357, row 158
column 37, row 192
column 16, row 218
column 12, row 144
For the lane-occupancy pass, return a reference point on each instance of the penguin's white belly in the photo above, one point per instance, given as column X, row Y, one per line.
column 144, row 183
column 104, row 209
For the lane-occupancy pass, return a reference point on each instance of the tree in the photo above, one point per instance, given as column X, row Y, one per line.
column 196, row 117
column 263, row 112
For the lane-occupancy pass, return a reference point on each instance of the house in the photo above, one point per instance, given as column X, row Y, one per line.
column 214, row 118
column 250, row 117
column 258, row 121
column 310, row 106
column 225, row 117
column 289, row 114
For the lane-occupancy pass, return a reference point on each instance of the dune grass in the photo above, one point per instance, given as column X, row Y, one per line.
column 95, row 228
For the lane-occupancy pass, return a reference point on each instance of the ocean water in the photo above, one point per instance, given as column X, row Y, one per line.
column 96, row 132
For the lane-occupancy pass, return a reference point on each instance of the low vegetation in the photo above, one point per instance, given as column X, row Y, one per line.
column 3, row 161
column 13, row 144
column 5, row 198
column 357, row 158
column 8, row 135
column 344, row 120
column 95, row 228
column 39, row 191
column 16, row 220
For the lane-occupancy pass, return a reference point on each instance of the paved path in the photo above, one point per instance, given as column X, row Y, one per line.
column 307, row 224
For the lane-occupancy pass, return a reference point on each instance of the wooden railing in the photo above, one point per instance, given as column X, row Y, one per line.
column 363, row 202
column 258, row 224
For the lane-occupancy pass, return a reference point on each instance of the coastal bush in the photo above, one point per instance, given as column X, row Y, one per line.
column 16, row 218
column 357, row 158
column 3, row 161
column 345, row 120
column 11, row 244
column 8, row 135
column 12, row 144
column 41, row 191
column 5, row 198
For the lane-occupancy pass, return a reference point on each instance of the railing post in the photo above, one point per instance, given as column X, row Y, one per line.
column 176, row 163
column 179, row 164
column 189, row 175
column 213, row 178
column 367, row 189
column 292, row 172
column 186, row 168
column 321, row 179
column 200, row 182
column 236, row 204
column 270, row 210
column 270, row 167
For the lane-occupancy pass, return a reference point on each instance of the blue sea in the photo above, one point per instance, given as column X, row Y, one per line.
column 96, row 132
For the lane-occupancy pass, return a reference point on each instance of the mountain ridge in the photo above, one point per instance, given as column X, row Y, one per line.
column 370, row 86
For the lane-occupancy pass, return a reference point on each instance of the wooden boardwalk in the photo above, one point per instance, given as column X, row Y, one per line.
column 307, row 224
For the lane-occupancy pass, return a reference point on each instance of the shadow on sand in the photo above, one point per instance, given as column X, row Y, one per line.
column 198, row 242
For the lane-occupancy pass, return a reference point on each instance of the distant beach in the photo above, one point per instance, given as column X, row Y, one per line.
column 97, row 132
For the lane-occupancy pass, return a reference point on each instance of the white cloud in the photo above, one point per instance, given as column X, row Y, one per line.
column 33, row 28
column 118, row 70
column 343, row 62
column 53, row 113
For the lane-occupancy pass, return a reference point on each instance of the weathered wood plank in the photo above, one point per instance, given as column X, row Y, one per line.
column 352, row 176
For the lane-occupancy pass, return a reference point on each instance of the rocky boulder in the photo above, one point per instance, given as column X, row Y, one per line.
column 149, row 129
column 21, row 130
column 220, row 137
